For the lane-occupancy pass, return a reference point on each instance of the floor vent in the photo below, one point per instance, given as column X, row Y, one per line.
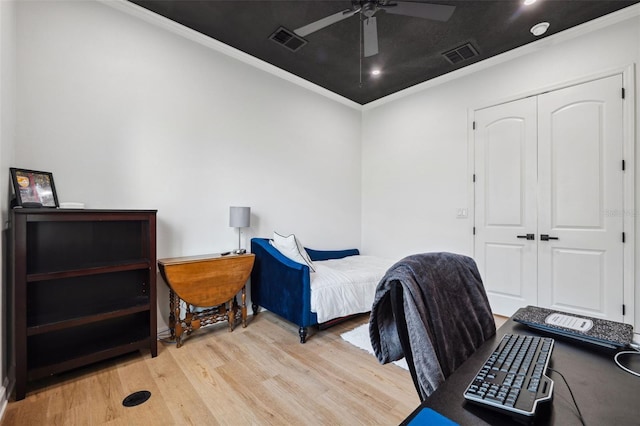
column 461, row 53
column 288, row 39
column 136, row 398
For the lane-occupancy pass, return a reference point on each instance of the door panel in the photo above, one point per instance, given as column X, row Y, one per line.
column 504, row 269
column 576, row 166
column 505, row 163
column 586, row 269
column 580, row 178
column 505, row 142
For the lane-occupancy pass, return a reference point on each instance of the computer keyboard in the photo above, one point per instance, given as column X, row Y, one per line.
column 512, row 379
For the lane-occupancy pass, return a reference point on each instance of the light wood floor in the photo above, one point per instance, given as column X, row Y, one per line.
column 257, row 375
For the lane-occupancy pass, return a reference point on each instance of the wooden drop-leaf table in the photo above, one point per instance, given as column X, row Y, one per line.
column 208, row 285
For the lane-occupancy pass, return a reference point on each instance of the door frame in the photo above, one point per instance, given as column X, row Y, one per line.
column 630, row 293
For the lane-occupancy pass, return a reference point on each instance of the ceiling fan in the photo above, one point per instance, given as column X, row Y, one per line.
column 368, row 8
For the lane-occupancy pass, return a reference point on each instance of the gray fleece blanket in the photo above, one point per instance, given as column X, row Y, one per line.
column 447, row 313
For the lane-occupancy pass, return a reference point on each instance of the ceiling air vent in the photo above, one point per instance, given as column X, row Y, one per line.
column 461, row 53
column 288, row 39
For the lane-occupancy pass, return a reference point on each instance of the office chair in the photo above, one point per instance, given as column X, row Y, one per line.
column 432, row 309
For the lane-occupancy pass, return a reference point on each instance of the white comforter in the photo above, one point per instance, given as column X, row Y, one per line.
column 346, row 286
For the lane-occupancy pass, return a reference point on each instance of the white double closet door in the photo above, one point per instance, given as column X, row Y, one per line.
column 549, row 200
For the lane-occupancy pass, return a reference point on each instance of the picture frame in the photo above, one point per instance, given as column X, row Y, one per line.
column 34, row 188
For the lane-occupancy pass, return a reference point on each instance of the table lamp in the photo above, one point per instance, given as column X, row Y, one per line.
column 239, row 217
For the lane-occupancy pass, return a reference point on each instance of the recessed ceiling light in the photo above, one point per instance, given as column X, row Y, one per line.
column 529, row 2
column 539, row 29
column 375, row 72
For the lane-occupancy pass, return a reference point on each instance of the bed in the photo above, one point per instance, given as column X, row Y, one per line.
column 342, row 285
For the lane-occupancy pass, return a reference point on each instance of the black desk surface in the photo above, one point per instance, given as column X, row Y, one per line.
column 605, row 393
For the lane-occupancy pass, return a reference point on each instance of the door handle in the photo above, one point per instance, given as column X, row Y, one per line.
column 545, row 237
column 528, row 236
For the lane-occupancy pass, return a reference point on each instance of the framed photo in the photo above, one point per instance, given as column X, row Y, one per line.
column 34, row 188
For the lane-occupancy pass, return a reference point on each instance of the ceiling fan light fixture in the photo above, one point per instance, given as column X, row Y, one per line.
column 529, row 2
column 539, row 29
column 376, row 72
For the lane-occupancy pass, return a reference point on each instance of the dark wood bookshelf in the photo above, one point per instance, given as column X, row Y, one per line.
column 84, row 288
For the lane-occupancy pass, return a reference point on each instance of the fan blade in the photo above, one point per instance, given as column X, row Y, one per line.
column 370, row 33
column 436, row 12
column 325, row 22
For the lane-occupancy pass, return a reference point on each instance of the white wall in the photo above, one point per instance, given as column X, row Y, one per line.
column 415, row 149
column 7, row 140
column 126, row 114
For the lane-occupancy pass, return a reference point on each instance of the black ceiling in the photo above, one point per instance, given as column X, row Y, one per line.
column 410, row 49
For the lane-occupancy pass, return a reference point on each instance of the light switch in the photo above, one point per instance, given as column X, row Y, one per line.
column 462, row 213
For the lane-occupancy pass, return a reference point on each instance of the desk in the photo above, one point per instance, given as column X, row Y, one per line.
column 209, row 281
column 605, row 393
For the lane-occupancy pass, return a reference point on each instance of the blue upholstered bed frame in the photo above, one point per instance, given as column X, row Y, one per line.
column 282, row 286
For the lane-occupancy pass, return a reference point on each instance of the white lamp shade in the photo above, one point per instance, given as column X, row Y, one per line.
column 239, row 217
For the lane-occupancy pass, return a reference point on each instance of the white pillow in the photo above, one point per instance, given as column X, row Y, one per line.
column 291, row 248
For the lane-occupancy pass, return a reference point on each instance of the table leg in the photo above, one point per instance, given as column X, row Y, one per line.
column 178, row 335
column 244, row 306
column 188, row 317
column 178, row 321
column 172, row 316
column 232, row 313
